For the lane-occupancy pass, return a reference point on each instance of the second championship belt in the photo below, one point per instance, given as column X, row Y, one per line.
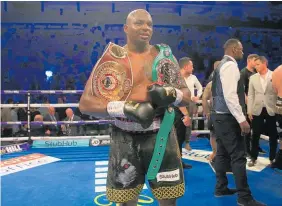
column 112, row 78
column 162, row 62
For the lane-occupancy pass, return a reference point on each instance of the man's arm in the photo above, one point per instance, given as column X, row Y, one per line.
column 229, row 76
column 182, row 86
column 198, row 87
column 251, row 96
column 207, row 96
column 90, row 104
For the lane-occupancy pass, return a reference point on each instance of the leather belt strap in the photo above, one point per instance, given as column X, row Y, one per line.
column 168, row 120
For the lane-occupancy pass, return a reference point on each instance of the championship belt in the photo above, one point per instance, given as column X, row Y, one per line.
column 162, row 63
column 112, row 78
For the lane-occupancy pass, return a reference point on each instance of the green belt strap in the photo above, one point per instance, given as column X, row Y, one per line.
column 168, row 120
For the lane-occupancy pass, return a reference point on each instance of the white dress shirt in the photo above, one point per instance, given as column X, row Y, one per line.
column 263, row 80
column 192, row 82
column 229, row 76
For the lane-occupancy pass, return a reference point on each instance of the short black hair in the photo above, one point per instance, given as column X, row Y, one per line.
column 184, row 61
column 230, row 43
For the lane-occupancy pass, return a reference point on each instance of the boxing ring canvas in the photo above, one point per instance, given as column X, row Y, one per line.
column 76, row 176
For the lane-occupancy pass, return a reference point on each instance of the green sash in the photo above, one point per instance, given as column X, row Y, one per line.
column 168, row 120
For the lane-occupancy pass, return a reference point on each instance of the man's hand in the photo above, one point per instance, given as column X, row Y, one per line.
column 250, row 117
column 207, row 115
column 186, row 121
column 195, row 99
column 245, row 128
column 164, row 95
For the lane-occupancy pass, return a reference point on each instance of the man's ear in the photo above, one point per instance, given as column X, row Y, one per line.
column 125, row 28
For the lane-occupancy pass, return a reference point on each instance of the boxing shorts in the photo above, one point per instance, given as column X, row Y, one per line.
column 130, row 156
column 279, row 113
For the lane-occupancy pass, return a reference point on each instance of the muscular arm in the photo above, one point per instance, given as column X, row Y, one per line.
column 90, row 104
column 206, row 96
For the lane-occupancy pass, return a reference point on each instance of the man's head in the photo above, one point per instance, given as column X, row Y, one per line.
column 51, row 110
column 60, row 100
column 261, row 64
column 186, row 64
column 251, row 60
column 139, row 27
column 69, row 112
column 234, row 48
column 38, row 118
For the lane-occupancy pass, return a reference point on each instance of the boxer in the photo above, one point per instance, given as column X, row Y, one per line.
column 139, row 85
column 277, row 85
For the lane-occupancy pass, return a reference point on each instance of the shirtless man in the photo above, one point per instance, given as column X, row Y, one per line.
column 122, row 87
column 277, row 85
column 206, row 103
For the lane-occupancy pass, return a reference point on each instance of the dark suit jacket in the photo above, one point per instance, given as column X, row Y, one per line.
column 72, row 129
column 54, row 129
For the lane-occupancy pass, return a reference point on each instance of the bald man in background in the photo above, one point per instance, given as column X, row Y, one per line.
column 72, row 129
column 277, row 85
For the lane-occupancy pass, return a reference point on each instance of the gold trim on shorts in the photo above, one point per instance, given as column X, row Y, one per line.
column 123, row 195
column 169, row 192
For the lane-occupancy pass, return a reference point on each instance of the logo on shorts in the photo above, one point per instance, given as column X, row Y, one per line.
column 168, row 176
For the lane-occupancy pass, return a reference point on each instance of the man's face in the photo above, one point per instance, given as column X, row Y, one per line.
column 139, row 28
column 189, row 67
column 252, row 62
column 238, row 51
column 260, row 66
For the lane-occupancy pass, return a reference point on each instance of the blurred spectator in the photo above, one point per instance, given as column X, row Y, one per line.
column 61, row 110
column 6, row 116
column 71, row 129
column 38, row 130
column 52, row 116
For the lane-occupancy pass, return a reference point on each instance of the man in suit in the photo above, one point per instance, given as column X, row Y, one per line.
column 37, row 130
column 52, row 116
column 261, row 108
column 71, row 129
column 246, row 73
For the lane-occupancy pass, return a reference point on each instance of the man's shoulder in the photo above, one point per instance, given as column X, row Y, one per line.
column 243, row 71
column 254, row 76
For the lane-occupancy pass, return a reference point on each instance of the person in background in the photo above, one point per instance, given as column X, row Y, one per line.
column 192, row 82
column 38, row 129
column 246, row 73
column 52, row 116
column 6, row 116
column 261, row 109
column 71, row 129
column 230, row 125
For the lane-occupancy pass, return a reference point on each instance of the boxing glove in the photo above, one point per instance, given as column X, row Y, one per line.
column 164, row 95
column 142, row 113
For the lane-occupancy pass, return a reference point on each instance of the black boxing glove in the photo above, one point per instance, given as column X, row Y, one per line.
column 164, row 95
column 142, row 113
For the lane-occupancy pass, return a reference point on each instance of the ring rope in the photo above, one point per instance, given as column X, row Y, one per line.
column 100, row 137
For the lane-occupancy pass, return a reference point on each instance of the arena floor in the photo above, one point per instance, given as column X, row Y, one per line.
column 77, row 177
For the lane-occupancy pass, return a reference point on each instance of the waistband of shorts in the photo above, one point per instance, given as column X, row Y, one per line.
column 129, row 126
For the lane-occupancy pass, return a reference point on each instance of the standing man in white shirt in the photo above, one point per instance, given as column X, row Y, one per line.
column 261, row 108
column 192, row 82
column 230, row 125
